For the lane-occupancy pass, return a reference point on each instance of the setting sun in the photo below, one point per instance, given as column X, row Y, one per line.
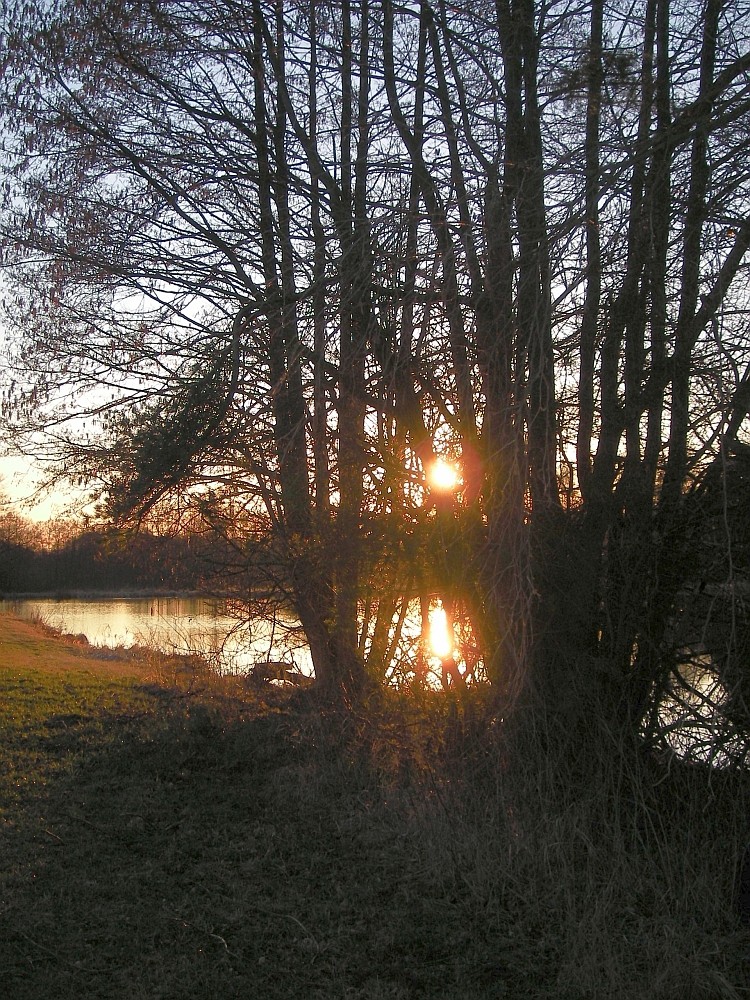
column 442, row 640
column 442, row 475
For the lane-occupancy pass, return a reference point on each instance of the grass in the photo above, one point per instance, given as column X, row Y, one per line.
column 164, row 835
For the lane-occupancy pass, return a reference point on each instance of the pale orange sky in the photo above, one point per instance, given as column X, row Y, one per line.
column 18, row 481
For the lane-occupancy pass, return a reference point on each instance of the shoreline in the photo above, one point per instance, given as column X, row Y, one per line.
column 33, row 645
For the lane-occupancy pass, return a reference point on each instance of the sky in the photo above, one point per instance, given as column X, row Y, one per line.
column 19, row 480
column 21, row 477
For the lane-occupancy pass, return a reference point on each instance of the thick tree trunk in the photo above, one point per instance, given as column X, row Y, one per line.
column 310, row 577
column 355, row 294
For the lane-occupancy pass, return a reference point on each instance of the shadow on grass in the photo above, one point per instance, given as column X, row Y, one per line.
column 173, row 847
column 177, row 854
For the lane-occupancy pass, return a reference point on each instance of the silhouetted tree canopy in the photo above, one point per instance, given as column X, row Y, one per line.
column 279, row 257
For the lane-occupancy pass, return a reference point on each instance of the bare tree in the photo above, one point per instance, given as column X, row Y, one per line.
column 290, row 253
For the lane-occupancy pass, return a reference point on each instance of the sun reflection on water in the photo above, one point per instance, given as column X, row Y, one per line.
column 441, row 637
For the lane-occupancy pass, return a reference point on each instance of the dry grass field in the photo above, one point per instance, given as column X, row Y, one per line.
column 168, row 834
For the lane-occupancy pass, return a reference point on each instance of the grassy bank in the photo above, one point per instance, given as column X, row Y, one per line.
column 166, row 836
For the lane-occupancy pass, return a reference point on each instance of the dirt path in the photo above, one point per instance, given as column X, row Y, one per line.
column 25, row 644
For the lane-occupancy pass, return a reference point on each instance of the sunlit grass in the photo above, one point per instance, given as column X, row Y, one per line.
column 43, row 718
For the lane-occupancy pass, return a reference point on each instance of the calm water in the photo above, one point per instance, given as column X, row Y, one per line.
column 693, row 725
column 173, row 624
column 691, row 714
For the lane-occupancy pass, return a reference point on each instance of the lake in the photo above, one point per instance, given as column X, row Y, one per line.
column 693, row 725
column 174, row 625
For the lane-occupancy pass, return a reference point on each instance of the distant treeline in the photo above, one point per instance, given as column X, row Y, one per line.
column 107, row 559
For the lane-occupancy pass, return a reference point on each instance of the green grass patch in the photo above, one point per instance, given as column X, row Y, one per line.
column 49, row 722
column 161, row 843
